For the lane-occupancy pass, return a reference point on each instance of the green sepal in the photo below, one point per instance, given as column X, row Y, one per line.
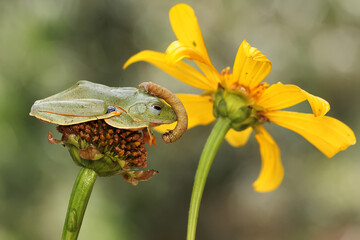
column 222, row 108
column 103, row 164
column 218, row 98
column 240, row 126
column 73, row 140
column 239, row 115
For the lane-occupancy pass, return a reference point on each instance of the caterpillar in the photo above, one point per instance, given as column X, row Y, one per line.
column 179, row 109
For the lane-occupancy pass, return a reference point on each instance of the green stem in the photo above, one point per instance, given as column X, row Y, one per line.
column 78, row 201
column 216, row 137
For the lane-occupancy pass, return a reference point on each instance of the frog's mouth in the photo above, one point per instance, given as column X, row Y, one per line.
column 156, row 124
column 160, row 122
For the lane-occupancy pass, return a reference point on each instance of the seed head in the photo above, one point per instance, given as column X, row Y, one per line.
column 107, row 150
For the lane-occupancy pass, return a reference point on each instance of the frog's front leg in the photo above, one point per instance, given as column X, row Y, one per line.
column 148, row 136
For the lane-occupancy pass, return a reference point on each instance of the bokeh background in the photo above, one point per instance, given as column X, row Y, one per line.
column 46, row 46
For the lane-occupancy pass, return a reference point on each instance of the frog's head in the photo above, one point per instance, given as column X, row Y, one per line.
column 152, row 111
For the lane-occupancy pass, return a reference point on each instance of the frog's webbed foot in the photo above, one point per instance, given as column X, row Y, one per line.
column 149, row 137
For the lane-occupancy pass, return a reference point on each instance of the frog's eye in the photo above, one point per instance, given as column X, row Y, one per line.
column 111, row 109
column 155, row 109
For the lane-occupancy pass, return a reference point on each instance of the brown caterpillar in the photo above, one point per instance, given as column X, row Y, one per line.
column 175, row 103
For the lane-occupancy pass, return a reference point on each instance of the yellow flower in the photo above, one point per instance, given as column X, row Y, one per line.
column 265, row 103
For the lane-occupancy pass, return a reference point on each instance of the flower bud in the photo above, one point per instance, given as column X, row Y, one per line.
column 231, row 105
column 106, row 150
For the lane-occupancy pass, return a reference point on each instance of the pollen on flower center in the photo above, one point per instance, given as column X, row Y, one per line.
column 241, row 89
column 259, row 90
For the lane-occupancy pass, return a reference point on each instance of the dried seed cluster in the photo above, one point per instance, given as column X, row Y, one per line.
column 126, row 144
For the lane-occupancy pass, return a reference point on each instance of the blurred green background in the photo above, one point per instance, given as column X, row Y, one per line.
column 46, row 46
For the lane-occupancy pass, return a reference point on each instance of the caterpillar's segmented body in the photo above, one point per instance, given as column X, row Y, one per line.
column 177, row 106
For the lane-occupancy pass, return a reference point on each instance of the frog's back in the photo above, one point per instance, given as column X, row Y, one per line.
column 88, row 90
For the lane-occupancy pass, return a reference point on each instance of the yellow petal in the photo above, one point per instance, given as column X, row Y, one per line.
column 272, row 171
column 210, row 72
column 186, row 28
column 250, row 66
column 238, row 138
column 165, row 127
column 198, row 108
column 178, row 51
column 179, row 70
column 328, row 134
column 279, row 96
column 318, row 105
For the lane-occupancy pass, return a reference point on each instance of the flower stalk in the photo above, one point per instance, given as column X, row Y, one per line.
column 78, row 202
column 212, row 145
column 101, row 150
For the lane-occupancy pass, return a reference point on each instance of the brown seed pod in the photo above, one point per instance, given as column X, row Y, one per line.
column 175, row 103
column 126, row 144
